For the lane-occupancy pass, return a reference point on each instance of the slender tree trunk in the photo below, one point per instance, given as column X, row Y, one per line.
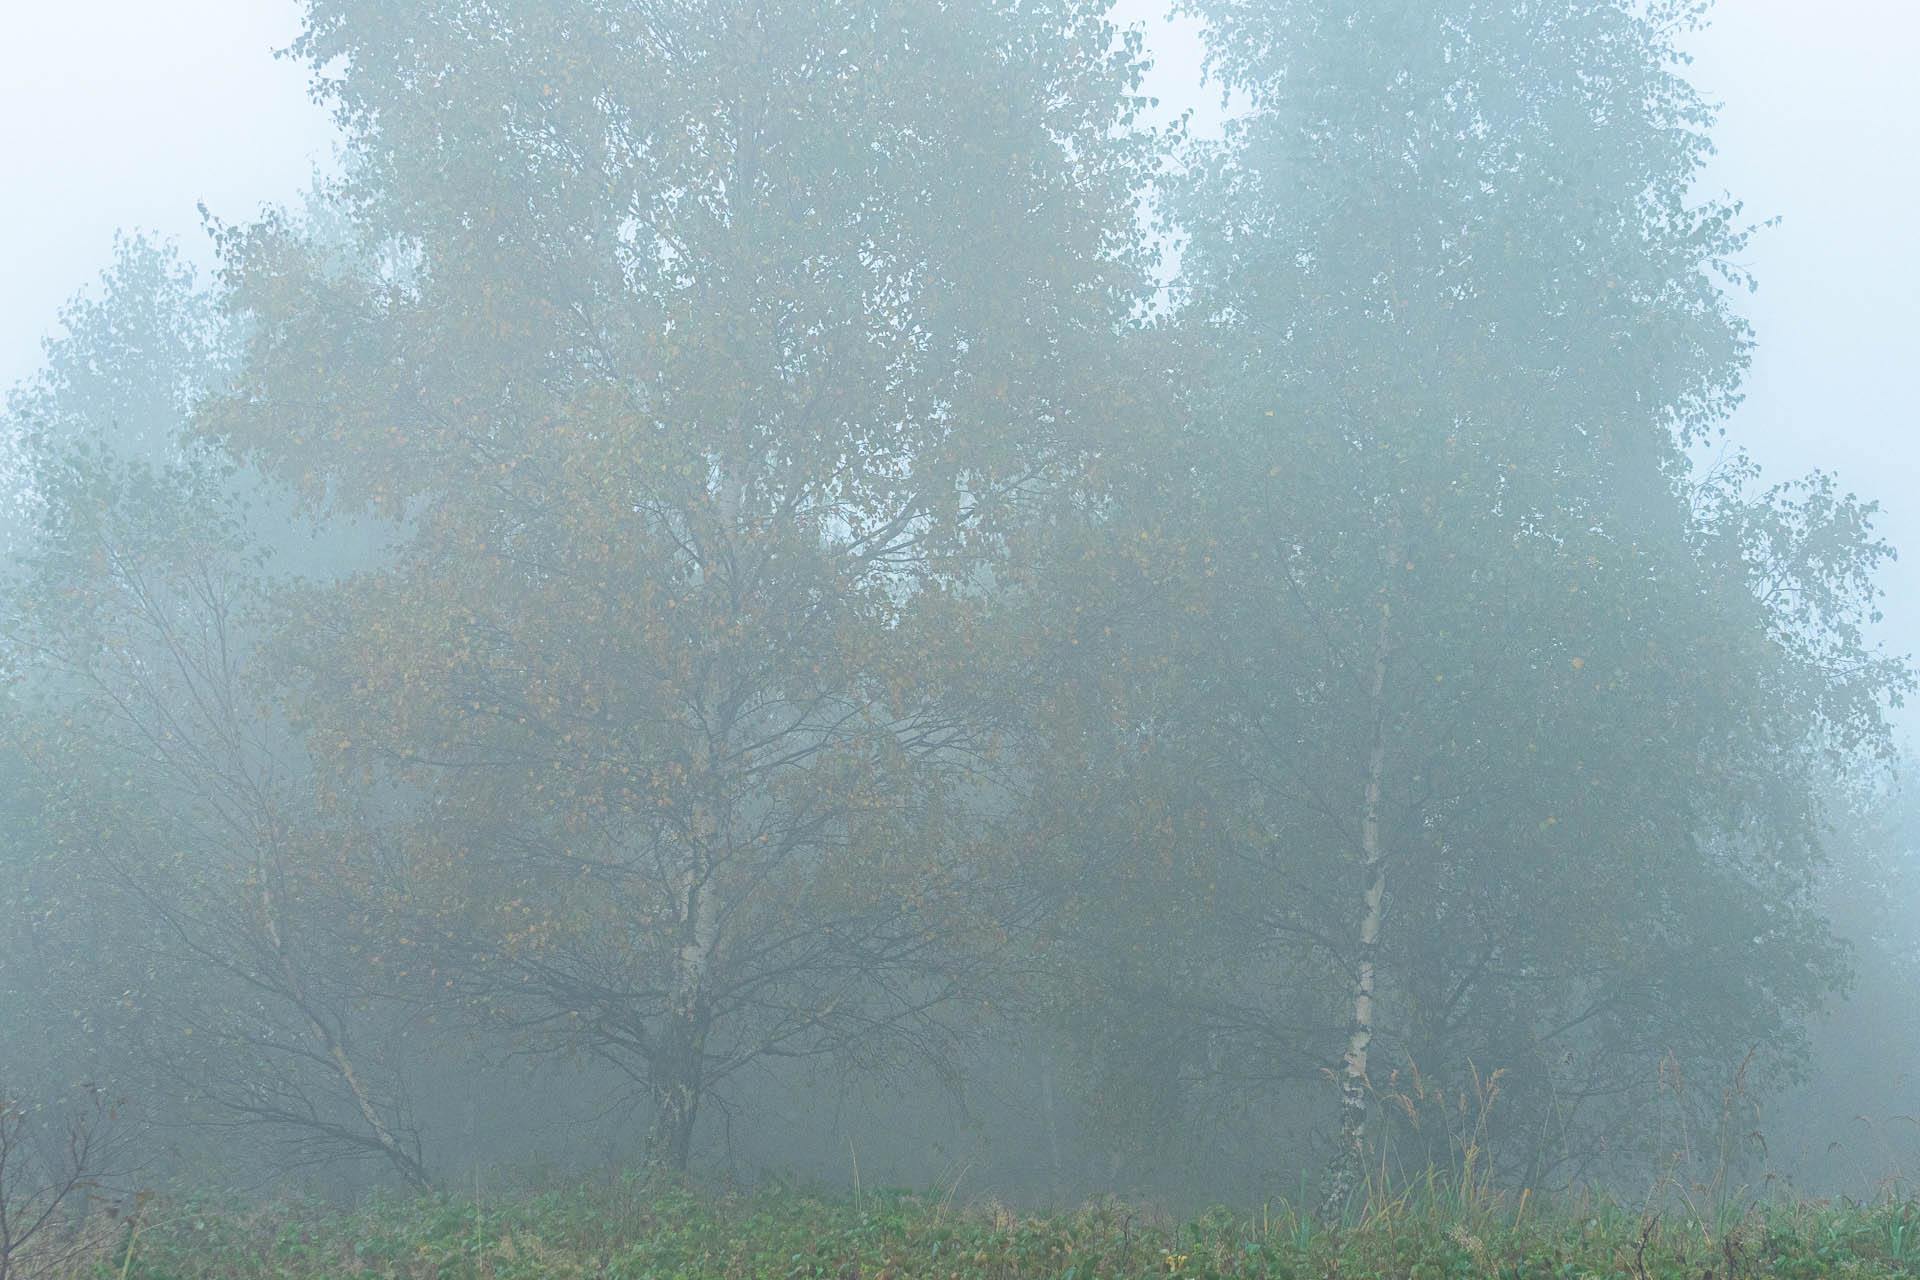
column 1052, row 1120
column 678, row 1076
column 1350, row 1159
column 402, row 1159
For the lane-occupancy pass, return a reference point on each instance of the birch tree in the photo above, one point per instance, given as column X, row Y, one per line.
column 1487, row 724
column 706, row 347
column 167, row 796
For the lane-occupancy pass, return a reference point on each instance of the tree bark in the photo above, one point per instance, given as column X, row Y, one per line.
column 676, row 1098
column 1350, row 1159
column 678, row 1076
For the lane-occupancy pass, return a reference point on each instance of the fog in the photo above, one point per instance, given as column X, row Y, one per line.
column 1017, row 597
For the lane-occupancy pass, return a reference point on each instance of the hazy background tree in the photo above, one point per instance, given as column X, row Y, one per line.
column 1501, row 741
column 174, row 840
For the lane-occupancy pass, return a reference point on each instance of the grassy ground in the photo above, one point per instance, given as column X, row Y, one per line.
column 634, row 1229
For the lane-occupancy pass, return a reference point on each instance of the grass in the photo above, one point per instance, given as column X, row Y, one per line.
column 636, row 1228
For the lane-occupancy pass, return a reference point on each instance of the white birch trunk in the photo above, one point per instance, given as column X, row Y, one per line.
column 1351, row 1157
column 677, row 1077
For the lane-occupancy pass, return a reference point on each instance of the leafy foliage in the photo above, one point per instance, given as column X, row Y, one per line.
column 701, row 428
column 1467, row 725
column 813, row 609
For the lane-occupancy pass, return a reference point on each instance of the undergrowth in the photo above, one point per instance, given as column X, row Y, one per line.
column 635, row 1228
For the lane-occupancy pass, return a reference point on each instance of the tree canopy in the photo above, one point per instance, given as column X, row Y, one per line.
column 821, row 597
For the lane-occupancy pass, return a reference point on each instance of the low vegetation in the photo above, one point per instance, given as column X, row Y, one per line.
column 634, row 1227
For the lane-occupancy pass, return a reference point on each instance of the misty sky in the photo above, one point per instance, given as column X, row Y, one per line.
column 125, row 113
